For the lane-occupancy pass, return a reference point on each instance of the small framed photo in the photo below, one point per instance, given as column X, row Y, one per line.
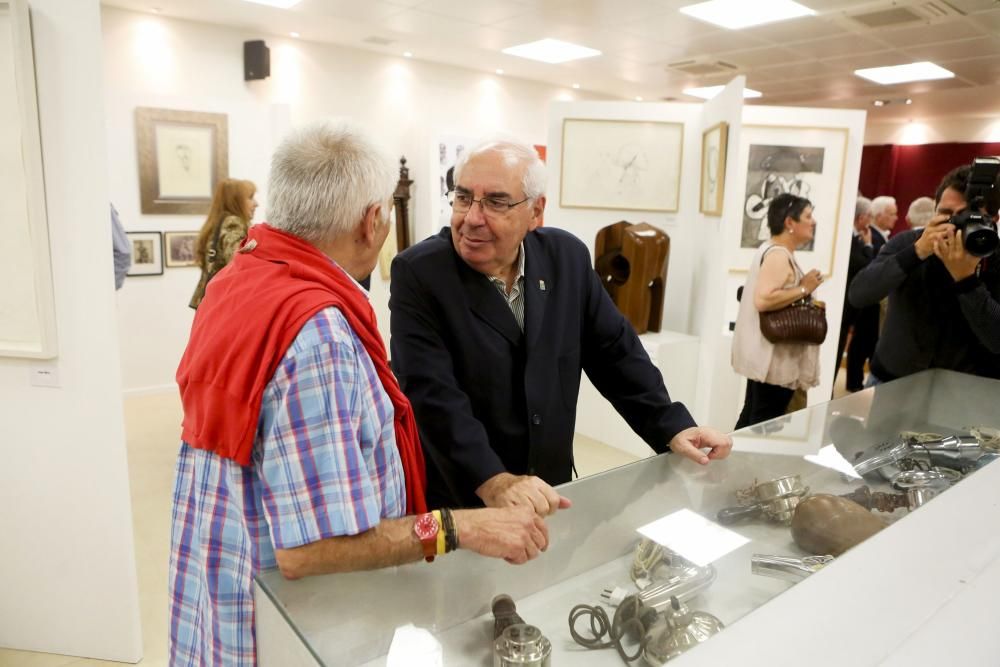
column 182, row 155
column 147, row 253
column 179, row 248
column 714, row 142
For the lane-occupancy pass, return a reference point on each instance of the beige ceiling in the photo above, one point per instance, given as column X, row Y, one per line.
column 647, row 44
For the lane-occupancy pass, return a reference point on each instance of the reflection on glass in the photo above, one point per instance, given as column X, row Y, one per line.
column 694, row 537
column 829, row 457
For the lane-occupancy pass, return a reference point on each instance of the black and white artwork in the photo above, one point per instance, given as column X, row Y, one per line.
column 772, row 171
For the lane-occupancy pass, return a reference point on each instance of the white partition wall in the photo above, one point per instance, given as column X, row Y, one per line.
column 67, row 566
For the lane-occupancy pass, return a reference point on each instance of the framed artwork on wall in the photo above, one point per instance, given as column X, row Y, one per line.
column 805, row 161
column 147, row 253
column 621, row 164
column 179, row 248
column 714, row 142
column 182, row 155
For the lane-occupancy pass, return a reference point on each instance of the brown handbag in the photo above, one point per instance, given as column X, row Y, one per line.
column 804, row 321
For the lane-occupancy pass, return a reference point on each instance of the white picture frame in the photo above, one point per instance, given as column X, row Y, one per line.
column 621, row 164
column 27, row 301
column 807, row 161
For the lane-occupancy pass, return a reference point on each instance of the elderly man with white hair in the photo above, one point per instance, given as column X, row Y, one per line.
column 492, row 322
column 299, row 449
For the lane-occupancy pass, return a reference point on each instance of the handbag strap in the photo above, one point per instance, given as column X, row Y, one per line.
column 799, row 273
column 213, row 250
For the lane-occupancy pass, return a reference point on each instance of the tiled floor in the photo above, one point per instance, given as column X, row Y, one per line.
column 153, row 427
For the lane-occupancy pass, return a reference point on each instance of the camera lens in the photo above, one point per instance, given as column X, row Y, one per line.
column 980, row 240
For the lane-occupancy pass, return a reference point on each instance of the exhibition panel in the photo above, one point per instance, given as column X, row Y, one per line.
column 658, row 556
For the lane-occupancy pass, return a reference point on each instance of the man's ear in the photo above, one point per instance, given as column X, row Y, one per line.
column 368, row 229
column 537, row 213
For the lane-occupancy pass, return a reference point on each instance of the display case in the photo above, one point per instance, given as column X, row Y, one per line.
column 904, row 591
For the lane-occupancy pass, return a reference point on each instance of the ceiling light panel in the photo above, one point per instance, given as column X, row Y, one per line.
column 551, row 51
column 738, row 14
column 922, row 71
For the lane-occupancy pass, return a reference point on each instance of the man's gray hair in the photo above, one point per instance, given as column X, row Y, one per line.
column 515, row 153
column 862, row 207
column 881, row 204
column 921, row 211
column 324, row 176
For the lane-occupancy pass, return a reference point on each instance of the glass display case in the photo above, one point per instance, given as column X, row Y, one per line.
column 740, row 546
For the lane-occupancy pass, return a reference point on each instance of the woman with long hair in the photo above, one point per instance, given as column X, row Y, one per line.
column 774, row 371
column 225, row 228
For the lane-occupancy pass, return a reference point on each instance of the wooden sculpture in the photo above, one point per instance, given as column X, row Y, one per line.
column 825, row 524
column 632, row 263
column 401, row 200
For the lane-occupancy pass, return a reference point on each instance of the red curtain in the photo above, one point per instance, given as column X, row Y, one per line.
column 909, row 172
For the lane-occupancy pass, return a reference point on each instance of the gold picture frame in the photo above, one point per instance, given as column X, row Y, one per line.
column 632, row 165
column 714, row 143
column 182, row 155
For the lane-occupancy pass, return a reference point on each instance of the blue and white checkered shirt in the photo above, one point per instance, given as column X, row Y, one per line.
column 325, row 464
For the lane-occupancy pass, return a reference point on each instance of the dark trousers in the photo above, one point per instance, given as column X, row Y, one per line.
column 862, row 346
column 763, row 401
column 846, row 322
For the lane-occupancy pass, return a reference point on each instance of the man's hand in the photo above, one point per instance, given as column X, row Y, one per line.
column 950, row 249
column 507, row 490
column 691, row 441
column 516, row 534
column 935, row 230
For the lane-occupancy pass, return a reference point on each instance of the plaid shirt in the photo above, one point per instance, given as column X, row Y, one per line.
column 325, row 464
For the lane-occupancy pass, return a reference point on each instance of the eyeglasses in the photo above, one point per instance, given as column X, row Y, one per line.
column 461, row 202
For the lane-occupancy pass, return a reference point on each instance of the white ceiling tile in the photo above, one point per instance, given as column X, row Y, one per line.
column 942, row 31
column 881, row 59
column 831, row 47
column 797, row 30
column 476, row 11
column 668, row 27
column 969, row 48
column 772, row 55
column 718, row 42
column 984, row 71
column 371, row 10
column 988, row 20
column 800, row 70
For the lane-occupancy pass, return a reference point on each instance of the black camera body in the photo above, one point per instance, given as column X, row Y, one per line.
column 979, row 232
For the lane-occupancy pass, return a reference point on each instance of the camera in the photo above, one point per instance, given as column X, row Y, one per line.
column 978, row 229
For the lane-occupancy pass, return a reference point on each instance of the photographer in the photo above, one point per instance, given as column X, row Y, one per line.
column 944, row 302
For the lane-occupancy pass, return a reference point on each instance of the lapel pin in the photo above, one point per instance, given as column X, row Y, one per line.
column 541, row 285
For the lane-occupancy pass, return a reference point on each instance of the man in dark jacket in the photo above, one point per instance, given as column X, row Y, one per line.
column 944, row 303
column 862, row 253
column 493, row 321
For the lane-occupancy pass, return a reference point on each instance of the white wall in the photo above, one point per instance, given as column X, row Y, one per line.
column 153, row 61
column 934, row 131
column 67, row 568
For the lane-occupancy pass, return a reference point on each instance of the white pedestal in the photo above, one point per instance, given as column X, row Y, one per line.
column 676, row 355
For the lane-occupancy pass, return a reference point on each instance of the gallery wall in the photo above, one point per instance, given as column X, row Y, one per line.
column 156, row 62
column 67, row 566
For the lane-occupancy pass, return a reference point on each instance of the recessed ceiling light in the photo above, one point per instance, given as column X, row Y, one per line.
column 280, row 4
column 736, row 14
column 922, row 71
column 294, row 34
column 576, row 86
column 878, row 103
column 908, row 101
column 499, row 71
column 638, row 98
column 407, row 54
column 708, row 92
column 551, row 51
column 157, row 10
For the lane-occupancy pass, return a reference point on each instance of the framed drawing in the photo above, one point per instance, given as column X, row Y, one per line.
column 805, row 161
column 182, row 155
column 27, row 303
column 147, row 253
column 621, row 164
column 179, row 248
column 714, row 142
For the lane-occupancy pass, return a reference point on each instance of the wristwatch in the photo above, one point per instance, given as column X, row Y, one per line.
column 427, row 527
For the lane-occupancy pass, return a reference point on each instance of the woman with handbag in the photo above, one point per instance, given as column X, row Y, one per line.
column 225, row 228
column 779, row 328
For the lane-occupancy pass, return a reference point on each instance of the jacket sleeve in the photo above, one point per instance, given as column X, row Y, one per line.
column 886, row 272
column 420, row 358
column 981, row 311
column 617, row 364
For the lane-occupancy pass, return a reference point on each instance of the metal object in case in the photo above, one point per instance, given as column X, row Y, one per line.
column 522, row 645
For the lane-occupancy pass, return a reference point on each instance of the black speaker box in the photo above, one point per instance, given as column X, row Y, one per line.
column 256, row 60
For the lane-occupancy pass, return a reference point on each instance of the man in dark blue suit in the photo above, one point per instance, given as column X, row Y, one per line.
column 862, row 253
column 492, row 322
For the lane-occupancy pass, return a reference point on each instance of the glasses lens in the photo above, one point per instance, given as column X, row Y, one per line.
column 496, row 205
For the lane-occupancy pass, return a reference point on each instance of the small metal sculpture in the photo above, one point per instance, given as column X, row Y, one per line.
column 775, row 500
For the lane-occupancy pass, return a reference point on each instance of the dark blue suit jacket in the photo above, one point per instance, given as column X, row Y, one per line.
column 490, row 399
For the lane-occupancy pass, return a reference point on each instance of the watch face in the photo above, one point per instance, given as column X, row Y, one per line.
column 426, row 527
